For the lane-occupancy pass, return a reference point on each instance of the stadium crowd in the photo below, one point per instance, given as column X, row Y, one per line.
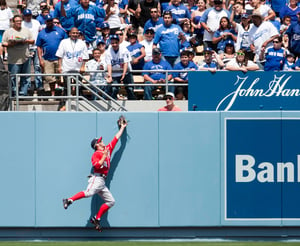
column 116, row 37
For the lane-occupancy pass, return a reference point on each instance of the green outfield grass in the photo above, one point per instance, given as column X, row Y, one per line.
column 142, row 243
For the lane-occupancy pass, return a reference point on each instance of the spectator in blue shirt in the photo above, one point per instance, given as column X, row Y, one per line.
column 181, row 92
column 85, row 17
column 277, row 5
column 155, row 21
column 274, row 55
column 156, row 77
column 179, row 11
column 291, row 10
column 212, row 61
column 41, row 18
column 137, row 52
column 297, row 65
column 65, row 17
column 169, row 37
column 47, row 44
column 104, row 30
column 289, row 63
column 293, row 33
column 123, row 7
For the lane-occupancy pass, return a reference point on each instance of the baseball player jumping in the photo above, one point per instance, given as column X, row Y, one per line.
column 96, row 184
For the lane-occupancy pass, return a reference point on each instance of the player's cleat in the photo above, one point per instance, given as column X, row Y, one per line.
column 66, row 203
column 96, row 223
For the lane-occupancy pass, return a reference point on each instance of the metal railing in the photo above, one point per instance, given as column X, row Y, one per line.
column 80, row 82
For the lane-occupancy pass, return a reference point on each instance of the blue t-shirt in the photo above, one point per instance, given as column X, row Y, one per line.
column 213, row 64
column 196, row 21
column 41, row 18
column 297, row 64
column 274, row 59
column 162, row 65
column 123, row 3
column 278, row 4
column 49, row 40
column 222, row 42
column 85, row 20
column 67, row 22
column 135, row 51
column 288, row 66
column 153, row 24
column 294, row 37
column 167, row 38
column 286, row 10
column 179, row 12
column 184, row 75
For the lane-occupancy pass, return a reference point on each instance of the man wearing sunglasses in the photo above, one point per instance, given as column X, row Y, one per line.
column 170, row 103
column 274, row 56
column 155, row 20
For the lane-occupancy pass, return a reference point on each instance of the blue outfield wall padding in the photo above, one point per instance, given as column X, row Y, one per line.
column 17, row 174
column 179, row 169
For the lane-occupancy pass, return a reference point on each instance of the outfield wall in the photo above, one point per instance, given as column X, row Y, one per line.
column 185, row 169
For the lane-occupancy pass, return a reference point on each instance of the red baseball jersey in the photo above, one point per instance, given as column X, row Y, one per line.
column 96, row 157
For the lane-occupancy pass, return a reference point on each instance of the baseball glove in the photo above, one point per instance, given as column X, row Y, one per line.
column 121, row 120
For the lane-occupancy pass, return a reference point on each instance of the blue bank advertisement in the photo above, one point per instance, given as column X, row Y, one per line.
column 262, row 168
column 228, row 91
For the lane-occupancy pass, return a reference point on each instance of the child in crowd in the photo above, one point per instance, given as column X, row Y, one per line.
column 148, row 43
column 212, row 61
column 137, row 52
column 289, row 63
column 181, row 92
column 97, row 78
column 286, row 22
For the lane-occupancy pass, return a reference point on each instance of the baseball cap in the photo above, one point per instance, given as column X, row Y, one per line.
column 218, row 1
column 95, row 141
column 207, row 49
column 132, row 34
column 229, row 42
column 48, row 17
column 114, row 36
column 171, row 94
column 27, row 12
column 189, row 50
column 290, row 54
column 167, row 12
column 150, row 30
column 99, row 41
column 246, row 16
column 104, row 25
column 156, row 51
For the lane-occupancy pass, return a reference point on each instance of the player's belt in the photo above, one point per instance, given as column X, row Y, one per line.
column 100, row 175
